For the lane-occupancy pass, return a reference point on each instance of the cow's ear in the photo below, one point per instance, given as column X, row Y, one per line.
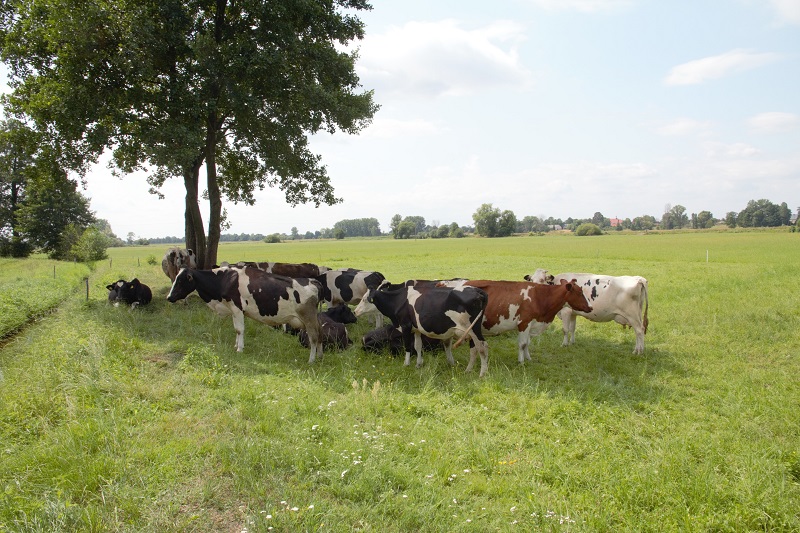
column 189, row 275
column 110, row 287
column 564, row 282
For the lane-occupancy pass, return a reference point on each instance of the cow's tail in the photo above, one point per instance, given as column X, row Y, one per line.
column 645, row 322
column 469, row 330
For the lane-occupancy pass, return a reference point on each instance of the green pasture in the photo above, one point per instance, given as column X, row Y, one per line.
column 114, row 419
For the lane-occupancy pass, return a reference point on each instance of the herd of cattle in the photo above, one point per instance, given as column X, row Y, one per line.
column 424, row 314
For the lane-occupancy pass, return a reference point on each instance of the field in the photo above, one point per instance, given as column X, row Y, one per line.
column 148, row 420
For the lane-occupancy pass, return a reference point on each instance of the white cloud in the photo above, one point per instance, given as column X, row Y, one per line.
column 735, row 150
column 586, row 6
column 685, row 126
column 715, row 67
column 442, row 58
column 774, row 122
column 788, row 10
column 391, row 128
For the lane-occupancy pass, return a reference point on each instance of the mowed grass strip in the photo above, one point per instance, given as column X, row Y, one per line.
column 31, row 287
column 148, row 420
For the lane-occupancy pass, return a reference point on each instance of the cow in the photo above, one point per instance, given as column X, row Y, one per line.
column 334, row 334
column 134, row 292
column 436, row 312
column 292, row 270
column 391, row 338
column 348, row 286
column 177, row 258
column 248, row 291
column 619, row 298
column 527, row 308
column 332, row 323
column 113, row 290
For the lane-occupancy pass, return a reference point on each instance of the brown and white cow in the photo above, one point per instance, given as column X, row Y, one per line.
column 527, row 308
column 267, row 298
column 622, row 299
column 435, row 312
column 177, row 258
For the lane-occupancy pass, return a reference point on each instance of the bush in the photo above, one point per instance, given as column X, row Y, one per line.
column 270, row 239
column 91, row 246
column 588, row 229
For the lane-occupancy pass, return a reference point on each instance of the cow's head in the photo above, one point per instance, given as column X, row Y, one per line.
column 113, row 289
column 183, row 285
column 540, row 276
column 575, row 297
column 341, row 313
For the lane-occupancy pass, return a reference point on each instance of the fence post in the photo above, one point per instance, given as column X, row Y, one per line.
column 86, row 280
column 54, row 272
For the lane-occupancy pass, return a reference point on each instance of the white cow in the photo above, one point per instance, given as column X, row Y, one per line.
column 619, row 298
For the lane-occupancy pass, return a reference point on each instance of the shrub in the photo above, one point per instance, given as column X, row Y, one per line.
column 272, row 238
column 588, row 229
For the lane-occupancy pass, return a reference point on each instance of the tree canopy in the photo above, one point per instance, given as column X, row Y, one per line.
column 174, row 85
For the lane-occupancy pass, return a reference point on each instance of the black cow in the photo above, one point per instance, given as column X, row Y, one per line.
column 134, row 292
column 248, row 291
column 436, row 312
column 391, row 338
column 348, row 286
column 334, row 334
column 331, row 323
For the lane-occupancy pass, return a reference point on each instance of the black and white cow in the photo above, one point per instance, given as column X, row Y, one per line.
column 267, row 298
column 134, row 292
column 436, row 312
column 619, row 298
column 348, row 286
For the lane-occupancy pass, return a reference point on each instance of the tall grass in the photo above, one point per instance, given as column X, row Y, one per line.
column 114, row 419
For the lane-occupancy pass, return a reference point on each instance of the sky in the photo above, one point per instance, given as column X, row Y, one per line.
column 550, row 108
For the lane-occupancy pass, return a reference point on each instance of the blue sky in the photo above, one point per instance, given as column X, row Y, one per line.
column 545, row 107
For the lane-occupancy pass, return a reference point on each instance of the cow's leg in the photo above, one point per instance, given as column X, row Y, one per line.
column 638, row 327
column 483, row 346
column 408, row 343
column 238, row 325
column 418, row 348
column 378, row 320
column 523, row 342
column 448, row 352
column 314, row 331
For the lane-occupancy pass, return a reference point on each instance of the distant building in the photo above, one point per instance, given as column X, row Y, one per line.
column 615, row 222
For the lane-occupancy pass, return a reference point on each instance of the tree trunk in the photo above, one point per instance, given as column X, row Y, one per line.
column 195, row 236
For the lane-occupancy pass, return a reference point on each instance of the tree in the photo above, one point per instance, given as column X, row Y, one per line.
column 506, row 223
column 485, row 219
column 763, row 213
column 90, row 246
column 406, row 229
column 599, row 220
column 730, row 219
column 53, row 205
column 455, row 231
column 394, row 224
column 705, row 219
column 173, row 86
column 295, row 233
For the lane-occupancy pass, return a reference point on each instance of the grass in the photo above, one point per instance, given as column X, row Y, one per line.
column 148, row 420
